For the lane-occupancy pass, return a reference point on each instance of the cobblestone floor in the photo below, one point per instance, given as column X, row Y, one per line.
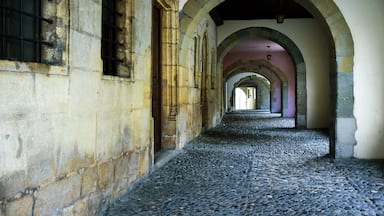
column 253, row 165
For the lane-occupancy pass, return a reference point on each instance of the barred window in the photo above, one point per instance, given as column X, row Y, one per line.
column 115, row 38
column 21, row 29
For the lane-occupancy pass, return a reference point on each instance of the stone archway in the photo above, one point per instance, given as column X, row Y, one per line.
column 263, row 86
column 263, row 68
column 292, row 50
column 343, row 125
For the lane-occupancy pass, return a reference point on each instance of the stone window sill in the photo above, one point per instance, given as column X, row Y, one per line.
column 32, row 67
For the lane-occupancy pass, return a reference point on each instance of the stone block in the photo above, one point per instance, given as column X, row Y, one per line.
column 122, row 185
column 326, row 7
column 20, row 207
column 68, row 211
column 106, row 172
column 85, row 44
column 333, row 18
column 133, row 163
column 81, row 208
column 12, row 185
column 192, row 8
column 107, row 135
column 77, row 145
column 40, row 169
column 344, row 44
column 54, row 101
column 89, row 181
column 345, row 64
column 345, row 137
column 137, row 93
column 83, row 88
column 122, row 168
column 89, row 19
column 94, row 203
column 55, row 196
column 72, row 161
column 143, row 164
column 345, row 95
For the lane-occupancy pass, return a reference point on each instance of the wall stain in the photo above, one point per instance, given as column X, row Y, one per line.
column 20, row 149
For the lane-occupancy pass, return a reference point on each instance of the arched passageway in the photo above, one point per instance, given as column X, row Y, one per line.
column 343, row 125
column 257, row 90
column 277, row 78
column 296, row 56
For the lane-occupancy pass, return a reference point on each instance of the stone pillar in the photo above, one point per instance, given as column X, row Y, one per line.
column 284, row 98
column 301, row 96
column 345, row 123
column 170, row 65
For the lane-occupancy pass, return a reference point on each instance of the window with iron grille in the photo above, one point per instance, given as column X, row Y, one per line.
column 115, row 30
column 21, row 29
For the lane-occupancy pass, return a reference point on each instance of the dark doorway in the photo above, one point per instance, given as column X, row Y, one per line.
column 156, row 76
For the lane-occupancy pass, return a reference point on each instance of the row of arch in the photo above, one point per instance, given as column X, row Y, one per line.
column 342, row 46
column 278, row 81
column 293, row 51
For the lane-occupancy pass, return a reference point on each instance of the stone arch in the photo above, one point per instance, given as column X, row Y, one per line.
column 254, row 65
column 265, row 69
column 343, row 125
column 293, row 51
column 256, row 79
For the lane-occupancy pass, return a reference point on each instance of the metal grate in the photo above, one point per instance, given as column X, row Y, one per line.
column 20, row 30
column 110, row 33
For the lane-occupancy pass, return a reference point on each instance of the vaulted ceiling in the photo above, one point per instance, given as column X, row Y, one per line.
column 257, row 9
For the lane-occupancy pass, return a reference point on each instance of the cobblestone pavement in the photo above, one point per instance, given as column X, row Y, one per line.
column 258, row 166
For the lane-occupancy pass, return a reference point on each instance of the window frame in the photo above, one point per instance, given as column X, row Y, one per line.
column 14, row 35
column 54, row 34
column 118, row 62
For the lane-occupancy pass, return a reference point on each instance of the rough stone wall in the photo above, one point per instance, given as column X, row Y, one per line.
column 72, row 139
column 190, row 115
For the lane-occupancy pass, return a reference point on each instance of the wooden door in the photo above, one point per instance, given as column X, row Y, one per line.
column 204, row 89
column 156, row 76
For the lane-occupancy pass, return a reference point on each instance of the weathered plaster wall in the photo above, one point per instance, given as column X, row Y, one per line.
column 368, row 70
column 309, row 38
column 72, row 139
column 190, row 115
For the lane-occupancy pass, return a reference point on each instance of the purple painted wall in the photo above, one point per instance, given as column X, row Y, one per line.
column 280, row 59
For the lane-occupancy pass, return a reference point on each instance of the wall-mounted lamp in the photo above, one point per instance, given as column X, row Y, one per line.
column 280, row 18
column 269, row 56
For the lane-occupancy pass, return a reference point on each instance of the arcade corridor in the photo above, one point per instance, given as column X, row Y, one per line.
column 94, row 92
column 245, row 167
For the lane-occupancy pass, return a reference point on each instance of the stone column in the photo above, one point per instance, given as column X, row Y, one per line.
column 301, row 96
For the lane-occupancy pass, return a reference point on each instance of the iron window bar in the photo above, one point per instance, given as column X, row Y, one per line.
column 110, row 34
column 14, row 39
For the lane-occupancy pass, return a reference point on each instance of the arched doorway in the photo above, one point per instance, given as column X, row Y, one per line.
column 257, row 91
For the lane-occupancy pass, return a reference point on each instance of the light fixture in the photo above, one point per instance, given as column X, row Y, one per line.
column 269, row 56
column 280, row 14
column 280, row 18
